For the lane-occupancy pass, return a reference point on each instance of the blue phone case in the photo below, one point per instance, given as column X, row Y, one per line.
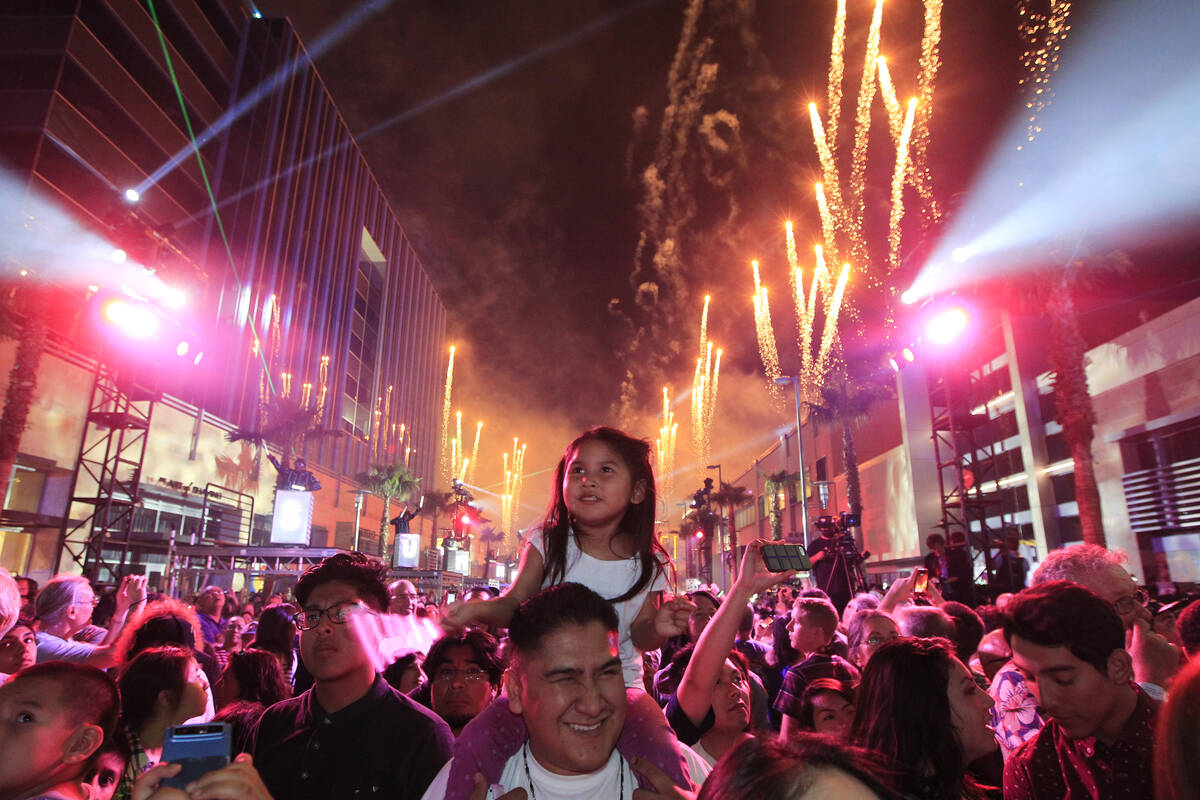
column 199, row 748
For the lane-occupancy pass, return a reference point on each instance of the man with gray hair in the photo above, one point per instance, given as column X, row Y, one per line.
column 64, row 607
column 10, row 602
column 1016, row 716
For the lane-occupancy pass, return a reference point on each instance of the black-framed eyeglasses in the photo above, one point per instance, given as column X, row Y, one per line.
column 1130, row 602
column 338, row 614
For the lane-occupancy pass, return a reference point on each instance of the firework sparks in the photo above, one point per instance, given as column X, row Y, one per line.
column 704, row 390
column 1044, row 35
column 919, row 164
column 898, row 190
column 456, row 465
column 833, row 212
column 837, row 68
column 510, row 499
column 665, row 448
column 888, row 92
column 767, row 350
column 829, row 334
column 862, row 126
column 447, row 468
column 474, row 451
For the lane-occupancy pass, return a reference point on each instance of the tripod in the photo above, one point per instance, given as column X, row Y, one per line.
column 849, row 569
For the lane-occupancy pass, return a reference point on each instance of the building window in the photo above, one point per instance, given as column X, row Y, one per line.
column 358, row 403
column 25, row 489
column 1162, row 478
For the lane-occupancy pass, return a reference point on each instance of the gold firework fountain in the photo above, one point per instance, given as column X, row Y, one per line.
column 840, row 198
column 704, row 390
column 469, row 471
column 664, row 449
column 446, row 455
column 510, row 499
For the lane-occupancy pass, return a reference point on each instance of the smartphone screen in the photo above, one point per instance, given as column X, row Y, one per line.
column 199, row 748
column 922, row 581
column 782, row 557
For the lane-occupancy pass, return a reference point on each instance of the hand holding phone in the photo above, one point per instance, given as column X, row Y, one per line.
column 784, row 557
column 921, row 584
column 199, row 749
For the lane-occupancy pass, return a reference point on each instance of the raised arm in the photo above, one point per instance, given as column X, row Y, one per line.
column 499, row 611
column 695, row 689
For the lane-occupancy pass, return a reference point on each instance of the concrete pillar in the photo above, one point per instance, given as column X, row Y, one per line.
column 916, row 425
column 1031, row 430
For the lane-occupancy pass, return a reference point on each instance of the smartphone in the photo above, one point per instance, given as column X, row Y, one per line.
column 450, row 597
column 922, row 582
column 199, row 748
column 782, row 557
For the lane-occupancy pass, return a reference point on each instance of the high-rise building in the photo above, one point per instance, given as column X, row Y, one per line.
column 259, row 238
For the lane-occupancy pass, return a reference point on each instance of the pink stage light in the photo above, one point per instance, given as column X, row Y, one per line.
column 908, row 354
column 134, row 320
column 946, row 326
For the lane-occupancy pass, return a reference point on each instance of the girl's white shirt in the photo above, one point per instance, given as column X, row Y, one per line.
column 610, row 579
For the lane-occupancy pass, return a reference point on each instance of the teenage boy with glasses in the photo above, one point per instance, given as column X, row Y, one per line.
column 351, row 734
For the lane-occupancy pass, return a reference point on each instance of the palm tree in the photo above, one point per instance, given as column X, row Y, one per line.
column 388, row 482
column 437, row 502
column 730, row 497
column 774, row 482
column 847, row 401
column 1066, row 353
column 22, row 317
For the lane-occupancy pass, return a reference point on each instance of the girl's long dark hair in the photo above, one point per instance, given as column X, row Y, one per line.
column 637, row 523
column 151, row 671
column 903, row 713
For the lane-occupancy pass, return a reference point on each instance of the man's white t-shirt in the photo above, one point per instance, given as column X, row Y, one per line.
column 611, row 579
column 602, row 785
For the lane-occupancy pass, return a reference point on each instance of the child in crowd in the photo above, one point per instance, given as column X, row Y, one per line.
column 812, row 627
column 18, row 648
column 54, row 717
column 599, row 532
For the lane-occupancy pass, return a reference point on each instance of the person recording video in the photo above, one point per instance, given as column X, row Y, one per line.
column 828, row 570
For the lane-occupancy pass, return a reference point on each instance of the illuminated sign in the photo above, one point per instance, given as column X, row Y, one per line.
column 293, row 517
column 408, row 550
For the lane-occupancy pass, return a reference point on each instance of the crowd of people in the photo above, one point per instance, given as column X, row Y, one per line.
column 590, row 676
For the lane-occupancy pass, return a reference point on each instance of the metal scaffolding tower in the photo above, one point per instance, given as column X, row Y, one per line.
column 107, row 472
column 966, row 461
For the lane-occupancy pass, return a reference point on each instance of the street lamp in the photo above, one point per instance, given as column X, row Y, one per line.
column 795, row 382
column 359, row 496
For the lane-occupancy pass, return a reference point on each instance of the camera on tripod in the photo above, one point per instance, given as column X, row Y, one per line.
column 839, row 527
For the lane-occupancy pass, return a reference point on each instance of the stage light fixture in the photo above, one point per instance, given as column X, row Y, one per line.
column 181, row 349
column 908, row 354
column 947, row 325
column 134, row 320
column 894, row 364
column 133, row 195
column 118, row 256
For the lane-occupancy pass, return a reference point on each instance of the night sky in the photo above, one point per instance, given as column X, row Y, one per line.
column 522, row 194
